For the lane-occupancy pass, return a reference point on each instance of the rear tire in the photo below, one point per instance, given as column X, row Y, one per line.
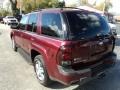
column 41, row 71
column 14, row 46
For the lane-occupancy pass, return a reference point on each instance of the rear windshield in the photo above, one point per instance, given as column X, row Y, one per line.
column 83, row 25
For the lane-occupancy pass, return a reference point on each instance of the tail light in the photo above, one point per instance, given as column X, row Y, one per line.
column 64, row 56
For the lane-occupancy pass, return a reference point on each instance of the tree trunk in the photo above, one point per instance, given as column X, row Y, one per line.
column 14, row 6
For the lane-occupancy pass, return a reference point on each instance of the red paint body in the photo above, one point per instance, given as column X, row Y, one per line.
column 85, row 54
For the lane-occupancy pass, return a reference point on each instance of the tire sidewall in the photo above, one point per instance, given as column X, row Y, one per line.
column 46, row 77
column 13, row 43
column 14, row 47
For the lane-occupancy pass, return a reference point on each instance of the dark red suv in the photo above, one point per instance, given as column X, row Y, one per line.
column 65, row 44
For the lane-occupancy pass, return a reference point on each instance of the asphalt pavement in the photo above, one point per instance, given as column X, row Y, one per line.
column 17, row 74
column 118, row 28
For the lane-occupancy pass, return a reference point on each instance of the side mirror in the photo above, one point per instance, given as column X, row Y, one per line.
column 15, row 26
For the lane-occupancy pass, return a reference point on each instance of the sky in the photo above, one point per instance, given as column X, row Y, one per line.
column 97, row 1
column 116, row 6
column 114, row 9
column 1, row 1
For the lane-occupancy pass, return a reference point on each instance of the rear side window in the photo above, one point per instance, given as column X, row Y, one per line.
column 52, row 25
column 86, row 24
column 32, row 23
column 23, row 22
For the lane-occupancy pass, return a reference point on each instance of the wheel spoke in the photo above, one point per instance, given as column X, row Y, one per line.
column 39, row 70
column 12, row 43
column 41, row 76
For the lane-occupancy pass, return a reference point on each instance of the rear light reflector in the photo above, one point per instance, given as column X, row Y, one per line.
column 64, row 56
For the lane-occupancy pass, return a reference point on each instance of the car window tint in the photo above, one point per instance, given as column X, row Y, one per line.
column 86, row 24
column 51, row 24
column 32, row 23
column 23, row 22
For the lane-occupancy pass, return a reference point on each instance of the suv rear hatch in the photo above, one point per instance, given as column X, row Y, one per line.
column 90, row 36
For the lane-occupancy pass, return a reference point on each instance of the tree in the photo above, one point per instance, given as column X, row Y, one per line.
column 14, row 8
column 31, row 5
column 84, row 2
column 104, row 6
column 61, row 4
column 4, row 12
column 108, row 5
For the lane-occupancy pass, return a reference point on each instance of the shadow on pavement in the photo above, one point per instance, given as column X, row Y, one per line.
column 25, row 56
column 118, row 42
column 57, row 85
column 54, row 85
column 110, row 82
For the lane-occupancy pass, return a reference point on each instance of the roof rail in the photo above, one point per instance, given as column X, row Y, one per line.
column 71, row 7
column 37, row 10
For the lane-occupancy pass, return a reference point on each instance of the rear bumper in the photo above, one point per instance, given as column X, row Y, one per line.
column 69, row 76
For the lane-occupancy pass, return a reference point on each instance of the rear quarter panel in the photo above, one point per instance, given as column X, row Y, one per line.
column 48, row 48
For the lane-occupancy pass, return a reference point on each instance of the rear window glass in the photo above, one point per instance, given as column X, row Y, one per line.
column 86, row 24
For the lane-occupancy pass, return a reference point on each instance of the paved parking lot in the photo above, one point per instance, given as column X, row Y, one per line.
column 17, row 74
column 118, row 28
